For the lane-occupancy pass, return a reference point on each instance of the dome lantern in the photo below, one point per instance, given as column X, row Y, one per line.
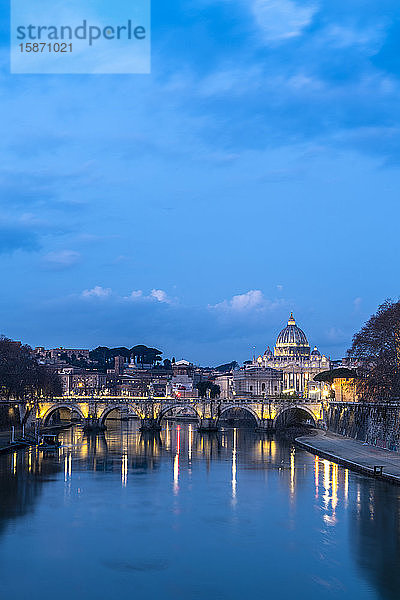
column 316, row 352
column 292, row 341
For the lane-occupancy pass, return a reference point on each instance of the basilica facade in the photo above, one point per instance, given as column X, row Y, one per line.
column 289, row 368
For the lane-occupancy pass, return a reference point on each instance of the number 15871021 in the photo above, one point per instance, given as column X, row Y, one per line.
column 45, row 47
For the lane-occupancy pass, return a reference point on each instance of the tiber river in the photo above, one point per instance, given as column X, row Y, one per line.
column 185, row 515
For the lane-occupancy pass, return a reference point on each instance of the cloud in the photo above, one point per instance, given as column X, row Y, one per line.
column 282, row 19
column 135, row 295
column 251, row 300
column 22, row 188
column 357, row 303
column 160, row 296
column 249, row 118
column 63, row 259
column 343, row 37
column 16, row 237
column 336, row 335
column 100, row 319
column 97, row 292
column 157, row 295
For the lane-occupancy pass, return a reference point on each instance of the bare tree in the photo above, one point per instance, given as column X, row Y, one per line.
column 20, row 375
column 376, row 349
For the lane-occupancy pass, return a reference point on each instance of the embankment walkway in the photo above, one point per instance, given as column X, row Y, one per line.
column 353, row 454
column 5, row 442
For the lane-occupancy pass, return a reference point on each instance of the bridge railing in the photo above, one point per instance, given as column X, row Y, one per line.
column 165, row 399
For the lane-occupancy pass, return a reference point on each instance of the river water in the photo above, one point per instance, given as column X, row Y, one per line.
column 184, row 515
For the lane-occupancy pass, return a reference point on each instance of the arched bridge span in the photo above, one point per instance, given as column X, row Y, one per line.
column 267, row 412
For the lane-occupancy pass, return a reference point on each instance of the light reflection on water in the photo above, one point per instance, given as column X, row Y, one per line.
column 190, row 515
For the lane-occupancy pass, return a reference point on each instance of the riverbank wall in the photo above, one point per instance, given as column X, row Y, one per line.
column 377, row 423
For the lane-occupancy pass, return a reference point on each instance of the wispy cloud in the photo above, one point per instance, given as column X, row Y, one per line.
column 61, row 259
column 336, row 335
column 156, row 295
column 282, row 19
column 345, row 36
column 17, row 237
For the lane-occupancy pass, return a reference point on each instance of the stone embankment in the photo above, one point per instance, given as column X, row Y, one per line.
column 377, row 423
column 354, row 454
column 6, row 445
column 5, row 442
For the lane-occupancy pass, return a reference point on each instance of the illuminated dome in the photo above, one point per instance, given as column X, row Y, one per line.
column 292, row 341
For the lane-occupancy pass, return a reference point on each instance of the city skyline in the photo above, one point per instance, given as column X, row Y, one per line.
column 253, row 351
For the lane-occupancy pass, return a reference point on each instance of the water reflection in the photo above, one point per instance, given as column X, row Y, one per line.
column 234, row 469
column 22, row 475
column 190, row 501
column 375, row 536
column 176, row 460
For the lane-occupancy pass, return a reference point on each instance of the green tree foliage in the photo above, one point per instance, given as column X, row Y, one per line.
column 376, row 348
column 145, row 355
column 204, row 386
column 101, row 354
column 21, row 377
column 215, row 390
column 142, row 355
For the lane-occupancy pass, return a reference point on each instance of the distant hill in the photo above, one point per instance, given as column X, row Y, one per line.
column 227, row 367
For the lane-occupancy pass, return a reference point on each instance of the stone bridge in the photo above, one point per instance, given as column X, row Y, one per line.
column 268, row 413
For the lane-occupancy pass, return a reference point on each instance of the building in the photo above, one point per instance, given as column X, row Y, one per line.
column 80, row 382
column 185, row 377
column 144, row 383
column 257, row 380
column 225, row 383
column 341, row 384
column 289, row 369
column 53, row 355
column 119, row 365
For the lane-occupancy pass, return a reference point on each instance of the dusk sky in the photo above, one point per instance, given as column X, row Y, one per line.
column 253, row 173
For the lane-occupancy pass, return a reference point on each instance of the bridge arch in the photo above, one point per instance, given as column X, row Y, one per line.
column 294, row 414
column 243, row 407
column 109, row 409
column 53, row 409
column 171, row 407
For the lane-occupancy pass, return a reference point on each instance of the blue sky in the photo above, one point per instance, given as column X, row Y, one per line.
column 254, row 172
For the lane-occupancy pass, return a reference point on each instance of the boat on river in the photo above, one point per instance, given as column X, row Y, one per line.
column 49, row 441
